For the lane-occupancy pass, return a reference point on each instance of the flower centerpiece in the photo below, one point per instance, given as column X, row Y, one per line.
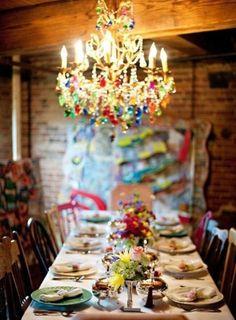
column 135, row 222
column 130, row 265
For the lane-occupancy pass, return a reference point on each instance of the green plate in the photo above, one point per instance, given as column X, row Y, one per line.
column 85, row 296
column 97, row 219
column 181, row 233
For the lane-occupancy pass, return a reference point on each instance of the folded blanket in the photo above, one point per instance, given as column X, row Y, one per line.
column 60, row 294
column 71, row 267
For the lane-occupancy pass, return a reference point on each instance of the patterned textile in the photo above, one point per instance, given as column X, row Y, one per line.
column 20, row 194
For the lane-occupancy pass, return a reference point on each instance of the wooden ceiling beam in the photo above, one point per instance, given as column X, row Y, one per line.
column 54, row 23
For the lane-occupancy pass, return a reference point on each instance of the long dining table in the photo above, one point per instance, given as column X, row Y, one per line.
column 97, row 308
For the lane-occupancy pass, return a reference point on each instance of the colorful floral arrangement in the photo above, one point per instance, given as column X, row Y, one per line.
column 136, row 207
column 136, row 221
column 131, row 264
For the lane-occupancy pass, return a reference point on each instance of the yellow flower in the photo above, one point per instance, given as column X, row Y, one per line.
column 116, row 281
column 125, row 257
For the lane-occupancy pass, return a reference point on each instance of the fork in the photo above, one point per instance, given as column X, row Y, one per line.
column 41, row 312
column 193, row 309
column 76, row 279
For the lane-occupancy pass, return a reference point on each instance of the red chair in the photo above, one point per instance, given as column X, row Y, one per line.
column 76, row 194
column 201, row 228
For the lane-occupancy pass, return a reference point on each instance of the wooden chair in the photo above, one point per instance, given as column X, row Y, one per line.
column 198, row 234
column 210, row 225
column 14, row 291
column 228, row 284
column 77, row 195
column 61, row 220
column 42, row 244
column 123, row 192
column 215, row 253
column 28, row 284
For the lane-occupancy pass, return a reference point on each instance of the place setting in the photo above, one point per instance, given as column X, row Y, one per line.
column 72, row 270
column 97, row 217
column 59, row 300
column 199, row 298
column 91, row 231
column 175, row 246
column 185, row 268
column 173, row 232
column 83, row 244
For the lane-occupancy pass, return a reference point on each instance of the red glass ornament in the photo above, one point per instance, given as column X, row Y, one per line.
column 77, row 109
column 117, row 82
column 102, row 83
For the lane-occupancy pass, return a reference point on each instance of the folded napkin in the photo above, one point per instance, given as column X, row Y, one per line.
column 92, row 230
column 193, row 294
column 60, row 294
column 172, row 230
column 173, row 244
column 83, row 243
column 71, row 267
column 184, row 266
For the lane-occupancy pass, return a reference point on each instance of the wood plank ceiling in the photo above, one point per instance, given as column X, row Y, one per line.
column 30, row 26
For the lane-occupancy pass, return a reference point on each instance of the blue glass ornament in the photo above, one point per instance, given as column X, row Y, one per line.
column 145, row 108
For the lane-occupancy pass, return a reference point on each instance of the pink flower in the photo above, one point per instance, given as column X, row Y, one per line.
column 136, row 253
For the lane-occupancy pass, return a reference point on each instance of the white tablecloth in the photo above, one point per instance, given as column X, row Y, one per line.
column 161, row 307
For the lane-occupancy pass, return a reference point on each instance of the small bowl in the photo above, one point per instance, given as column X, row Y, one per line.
column 102, row 290
column 158, row 285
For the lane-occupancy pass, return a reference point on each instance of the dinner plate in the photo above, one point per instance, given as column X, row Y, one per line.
column 87, row 272
column 171, row 295
column 172, row 269
column 178, row 234
column 91, row 231
column 167, row 221
column 83, row 243
column 182, row 247
column 85, row 296
column 98, row 217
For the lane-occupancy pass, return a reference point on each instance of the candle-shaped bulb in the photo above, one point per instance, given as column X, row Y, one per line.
column 107, row 44
column 79, row 52
column 64, row 57
column 142, row 61
column 152, row 56
column 163, row 57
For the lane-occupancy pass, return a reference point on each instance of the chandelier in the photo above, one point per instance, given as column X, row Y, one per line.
column 110, row 80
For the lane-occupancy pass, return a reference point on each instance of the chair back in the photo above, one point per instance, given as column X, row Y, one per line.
column 14, row 281
column 216, row 252
column 77, row 195
column 200, row 230
column 210, row 225
column 42, row 244
column 61, row 220
column 123, row 192
column 228, row 284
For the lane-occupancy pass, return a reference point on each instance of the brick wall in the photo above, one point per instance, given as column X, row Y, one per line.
column 194, row 99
